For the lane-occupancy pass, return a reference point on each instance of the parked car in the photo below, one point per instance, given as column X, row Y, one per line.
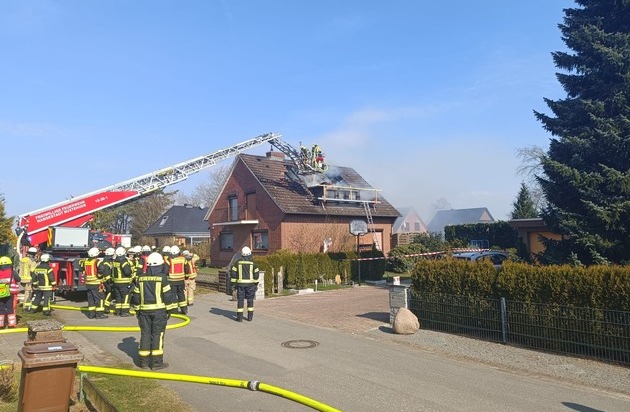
column 495, row 256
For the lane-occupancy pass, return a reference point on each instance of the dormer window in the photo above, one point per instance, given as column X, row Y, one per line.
column 163, row 221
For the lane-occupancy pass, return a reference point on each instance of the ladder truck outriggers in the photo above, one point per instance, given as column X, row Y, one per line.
column 60, row 229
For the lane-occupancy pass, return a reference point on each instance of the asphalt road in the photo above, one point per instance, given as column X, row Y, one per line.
column 352, row 366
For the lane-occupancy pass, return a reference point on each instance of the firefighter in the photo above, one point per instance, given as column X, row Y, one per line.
column 244, row 274
column 166, row 254
column 106, row 269
column 152, row 298
column 145, row 252
column 9, row 288
column 27, row 264
column 43, row 284
column 94, row 285
column 122, row 277
column 190, row 284
column 178, row 272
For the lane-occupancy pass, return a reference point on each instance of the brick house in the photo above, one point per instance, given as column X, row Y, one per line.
column 407, row 227
column 267, row 205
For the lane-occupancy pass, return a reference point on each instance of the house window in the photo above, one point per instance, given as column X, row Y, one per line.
column 163, row 221
column 233, row 205
column 405, row 227
column 227, row 241
column 416, row 226
column 260, row 240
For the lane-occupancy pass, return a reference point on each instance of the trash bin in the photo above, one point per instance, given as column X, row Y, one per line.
column 48, row 373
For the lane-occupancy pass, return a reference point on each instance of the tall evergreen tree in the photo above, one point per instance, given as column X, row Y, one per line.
column 524, row 206
column 586, row 179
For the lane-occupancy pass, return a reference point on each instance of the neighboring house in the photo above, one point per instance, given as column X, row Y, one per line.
column 266, row 205
column 180, row 225
column 407, row 227
column 531, row 231
column 445, row 218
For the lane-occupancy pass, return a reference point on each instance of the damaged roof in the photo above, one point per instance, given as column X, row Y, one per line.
column 293, row 196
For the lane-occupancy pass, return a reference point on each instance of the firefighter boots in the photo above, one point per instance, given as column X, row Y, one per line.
column 250, row 316
column 158, row 363
column 144, row 362
column 239, row 317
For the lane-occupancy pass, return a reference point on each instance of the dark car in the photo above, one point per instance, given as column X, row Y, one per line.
column 495, row 256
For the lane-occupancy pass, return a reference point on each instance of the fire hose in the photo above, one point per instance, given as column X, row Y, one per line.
column 234, row 383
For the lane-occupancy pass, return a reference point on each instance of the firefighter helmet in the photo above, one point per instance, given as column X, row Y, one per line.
column 146, row 248
column 120, row 251
column 45, row 257
column 166, row 249
column 109, row 251
column 5, row 260
column 93, row 252
column 186, row 252
column 175, row 250
column 32, row 250
column 155, row 259
column 135, row 249
column 246, row 251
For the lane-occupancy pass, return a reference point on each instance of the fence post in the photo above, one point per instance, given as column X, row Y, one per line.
column 503, row 321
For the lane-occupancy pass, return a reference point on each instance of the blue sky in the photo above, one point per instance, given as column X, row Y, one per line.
column 426, row 100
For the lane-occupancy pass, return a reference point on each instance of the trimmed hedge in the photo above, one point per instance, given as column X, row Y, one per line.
column 303, row 268
column 601, row 287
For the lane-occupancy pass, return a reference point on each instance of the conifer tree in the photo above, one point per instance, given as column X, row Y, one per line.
column 524, row 206
column 586, row 178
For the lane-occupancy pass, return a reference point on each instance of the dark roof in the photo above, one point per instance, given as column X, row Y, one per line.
column 445, row 218
column 293, row 196
column 181, row 220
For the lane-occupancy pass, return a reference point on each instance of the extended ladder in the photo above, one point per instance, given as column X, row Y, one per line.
column 371, row 228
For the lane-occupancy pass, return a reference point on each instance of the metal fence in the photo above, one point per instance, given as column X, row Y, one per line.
column 592, row 333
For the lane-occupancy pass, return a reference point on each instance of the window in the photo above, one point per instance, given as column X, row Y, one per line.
column 416, row 226
column 163, row 221
column 226, row 241
column 233, row 205
column 405, row 227
column 260, row 240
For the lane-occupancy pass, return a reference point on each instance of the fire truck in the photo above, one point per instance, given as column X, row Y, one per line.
column 60, row 229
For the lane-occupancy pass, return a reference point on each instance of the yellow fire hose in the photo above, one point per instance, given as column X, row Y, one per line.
column 235, row 383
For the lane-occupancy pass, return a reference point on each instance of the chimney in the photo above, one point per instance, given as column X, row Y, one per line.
column 275, row 155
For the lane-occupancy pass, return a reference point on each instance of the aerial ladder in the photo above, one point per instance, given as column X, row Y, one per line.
column 306, row 161
column 77, row 211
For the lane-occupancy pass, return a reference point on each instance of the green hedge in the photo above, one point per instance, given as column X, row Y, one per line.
column 302, row 269
column 602, row 287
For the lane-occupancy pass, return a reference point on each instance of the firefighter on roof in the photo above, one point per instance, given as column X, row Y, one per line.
column 178, row 272
column 9, row 288
column 27, row 264
column 93, row 283
column 152, row 298
column 43, row 284
column 244, row 274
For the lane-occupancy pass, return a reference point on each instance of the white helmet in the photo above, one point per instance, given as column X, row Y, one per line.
column 155, row 259
column 109, row 251
column 93, row 252
column 135, row 249
column 45, row 257
column 120, row 251
column 146, row 248
column 186, row 252
column 175, row 250
column 246, row 251
column 166, row 249
column 32, row 250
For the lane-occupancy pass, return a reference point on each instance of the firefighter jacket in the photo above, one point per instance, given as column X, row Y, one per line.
column 90, row 268
column 152, row 291
column 178, row 270
column 192, row 269
column 27, row 264
column 9, row 277
column 43, row 277
column 122, row 272
column 244, row 271
column 105, row 268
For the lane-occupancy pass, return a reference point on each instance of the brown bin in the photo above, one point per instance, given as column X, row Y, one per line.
column 48, row 373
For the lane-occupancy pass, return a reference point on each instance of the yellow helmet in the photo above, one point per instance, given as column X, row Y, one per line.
column 5, row 260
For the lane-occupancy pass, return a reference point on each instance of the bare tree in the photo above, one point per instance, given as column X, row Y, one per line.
column 206, row 193
column 531, row 158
